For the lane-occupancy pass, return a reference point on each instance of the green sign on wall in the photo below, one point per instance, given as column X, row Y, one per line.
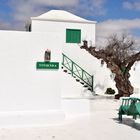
column 47, row 65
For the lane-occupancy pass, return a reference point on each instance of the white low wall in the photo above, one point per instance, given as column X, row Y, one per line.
column 134, row 78
column 23, row 88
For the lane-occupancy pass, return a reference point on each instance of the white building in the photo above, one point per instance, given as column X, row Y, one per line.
column 31, row 96
column 73, row 31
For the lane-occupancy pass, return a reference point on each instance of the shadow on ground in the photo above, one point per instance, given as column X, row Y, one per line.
column 129, row 122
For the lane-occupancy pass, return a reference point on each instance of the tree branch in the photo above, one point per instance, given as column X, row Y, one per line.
column 131, row 60
column 103, row 54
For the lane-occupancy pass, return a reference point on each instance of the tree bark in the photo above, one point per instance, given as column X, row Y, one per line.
column 123, row 85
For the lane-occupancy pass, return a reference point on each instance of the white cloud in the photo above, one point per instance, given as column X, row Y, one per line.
column 132, row 5
column 109, row 27
column 55, row 2
column 24, row 9
column 4, row 25
column 91, row 7
column 98, row 3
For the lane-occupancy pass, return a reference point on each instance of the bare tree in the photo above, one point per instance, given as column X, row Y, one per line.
column 119, row 55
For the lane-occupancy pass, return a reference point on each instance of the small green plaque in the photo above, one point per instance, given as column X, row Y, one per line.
column 47, row 65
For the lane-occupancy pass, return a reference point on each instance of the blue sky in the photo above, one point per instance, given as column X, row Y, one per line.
column 111, row 15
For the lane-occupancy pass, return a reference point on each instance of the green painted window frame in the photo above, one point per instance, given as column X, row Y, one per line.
column 73, row 36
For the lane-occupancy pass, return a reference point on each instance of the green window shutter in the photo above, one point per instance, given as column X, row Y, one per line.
column 73, row 36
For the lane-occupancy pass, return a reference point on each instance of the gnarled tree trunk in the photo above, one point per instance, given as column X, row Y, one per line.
column 123, row 85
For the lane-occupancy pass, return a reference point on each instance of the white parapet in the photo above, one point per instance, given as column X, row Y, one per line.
column 29, row 95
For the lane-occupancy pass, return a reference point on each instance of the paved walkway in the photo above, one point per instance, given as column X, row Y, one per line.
column 94, row 119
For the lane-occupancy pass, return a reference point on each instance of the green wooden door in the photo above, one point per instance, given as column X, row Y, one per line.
column 73, row 36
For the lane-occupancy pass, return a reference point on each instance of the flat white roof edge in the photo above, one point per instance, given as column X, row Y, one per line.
column 57, row 20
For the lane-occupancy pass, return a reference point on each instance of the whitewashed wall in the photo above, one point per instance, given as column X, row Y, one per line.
column 102, row 79
column 87, row 29
column 29, row 95
column 102, row 75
